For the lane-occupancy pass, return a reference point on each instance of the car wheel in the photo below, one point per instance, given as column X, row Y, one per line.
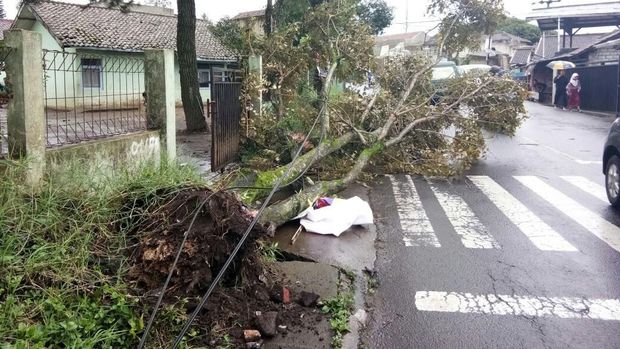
column 612, row 181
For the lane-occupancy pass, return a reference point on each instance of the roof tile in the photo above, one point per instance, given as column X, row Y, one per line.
column 551, row 44
column 250, row 14
column 100, row 27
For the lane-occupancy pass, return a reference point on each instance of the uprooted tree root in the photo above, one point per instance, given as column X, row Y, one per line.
column 219, row 225
column 247, row 286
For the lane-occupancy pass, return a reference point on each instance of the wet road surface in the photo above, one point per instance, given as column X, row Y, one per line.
column 522, row 252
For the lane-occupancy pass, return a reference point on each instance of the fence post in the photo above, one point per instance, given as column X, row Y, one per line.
column 159, row 79
column 26, row 122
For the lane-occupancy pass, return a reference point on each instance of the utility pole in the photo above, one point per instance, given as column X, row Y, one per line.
column 548, row 2
column 406, row 16
column 559, row 35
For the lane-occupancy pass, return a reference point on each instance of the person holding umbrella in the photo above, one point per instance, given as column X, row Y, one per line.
column 560, row 82
column 573, row 88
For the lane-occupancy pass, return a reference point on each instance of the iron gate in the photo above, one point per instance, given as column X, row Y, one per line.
column 225, row 123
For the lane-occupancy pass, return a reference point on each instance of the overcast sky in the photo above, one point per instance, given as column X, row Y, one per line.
column 416, row 8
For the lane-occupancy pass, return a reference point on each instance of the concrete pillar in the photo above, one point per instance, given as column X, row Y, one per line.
column 26, row 116
column 255, row 66
column 159, row 80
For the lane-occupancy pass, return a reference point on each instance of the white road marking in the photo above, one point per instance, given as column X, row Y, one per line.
column 579, row 161
column 472, row 232
column 491, row 304
column 596, row 225
column 416, row 226
column 594, row 189
column 539, row 233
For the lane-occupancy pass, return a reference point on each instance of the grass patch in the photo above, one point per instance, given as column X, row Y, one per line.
column 62, row 254
column 340, row 308
column 270, row 252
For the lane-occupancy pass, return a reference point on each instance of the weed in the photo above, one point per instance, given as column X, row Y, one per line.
column 349, row 274
column 373, row 284
column 62, row 257
column 226, row 343
column 339, row 309
column 269, row 251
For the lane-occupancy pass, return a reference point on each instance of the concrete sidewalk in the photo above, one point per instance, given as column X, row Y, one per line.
column 353, row 253
column 602, row 114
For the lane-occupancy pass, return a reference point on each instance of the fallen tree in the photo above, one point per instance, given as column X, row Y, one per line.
column 432, row 127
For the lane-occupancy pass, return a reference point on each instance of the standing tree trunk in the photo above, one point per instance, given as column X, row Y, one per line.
column 268, row 25
column 188, row 66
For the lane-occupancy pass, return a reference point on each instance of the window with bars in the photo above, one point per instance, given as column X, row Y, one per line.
column 204, row 78
column 92, row 72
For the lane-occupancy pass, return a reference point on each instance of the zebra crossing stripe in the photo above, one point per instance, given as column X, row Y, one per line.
column 492, row 304
column 596, row 225
column 594, row 189
column 472, row 232
column 539, row 233
column 415, row 224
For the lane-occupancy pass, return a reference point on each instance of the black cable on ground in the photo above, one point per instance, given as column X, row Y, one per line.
column 219, row 276
column 176, row 260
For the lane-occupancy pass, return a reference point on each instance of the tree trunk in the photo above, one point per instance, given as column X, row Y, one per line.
column 284, row 211
column 188, row 66
column 268, row 25
column 323, row 149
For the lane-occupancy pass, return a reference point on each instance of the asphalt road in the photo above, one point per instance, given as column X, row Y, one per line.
column 522, row 252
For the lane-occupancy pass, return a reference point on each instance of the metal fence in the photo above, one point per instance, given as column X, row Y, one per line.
column 4, row 102
column 598, row 87
column 91, row 95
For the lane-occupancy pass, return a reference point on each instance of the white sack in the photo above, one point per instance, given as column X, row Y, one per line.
column 338, row 217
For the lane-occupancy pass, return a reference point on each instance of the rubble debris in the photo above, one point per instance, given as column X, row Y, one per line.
column 308, row 299
column 251, row 335
column 361, row 316
column 276, row 293
column 267, row 323
column 286, row 295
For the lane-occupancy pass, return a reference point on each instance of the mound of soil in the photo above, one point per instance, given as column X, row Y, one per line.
column 219, row 224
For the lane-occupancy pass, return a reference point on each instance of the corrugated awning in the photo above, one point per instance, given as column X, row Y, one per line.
column 602, row 14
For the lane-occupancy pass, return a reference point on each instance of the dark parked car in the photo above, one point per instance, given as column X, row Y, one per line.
column 611, row 164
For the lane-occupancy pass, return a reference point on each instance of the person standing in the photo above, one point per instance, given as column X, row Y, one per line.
column 573, row 88
column 560, row 82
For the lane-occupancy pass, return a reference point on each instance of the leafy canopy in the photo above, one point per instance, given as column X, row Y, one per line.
column 375, row 13
column 520, row 28
column 463, row 21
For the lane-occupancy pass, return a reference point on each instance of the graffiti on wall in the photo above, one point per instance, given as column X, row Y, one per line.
column 146, row 148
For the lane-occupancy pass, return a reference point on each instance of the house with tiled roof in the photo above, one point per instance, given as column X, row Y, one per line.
column 548, row 48
column 253, row 20
column 97, row 34
column 497, row 49
column 596, row 58
column 522, row 56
